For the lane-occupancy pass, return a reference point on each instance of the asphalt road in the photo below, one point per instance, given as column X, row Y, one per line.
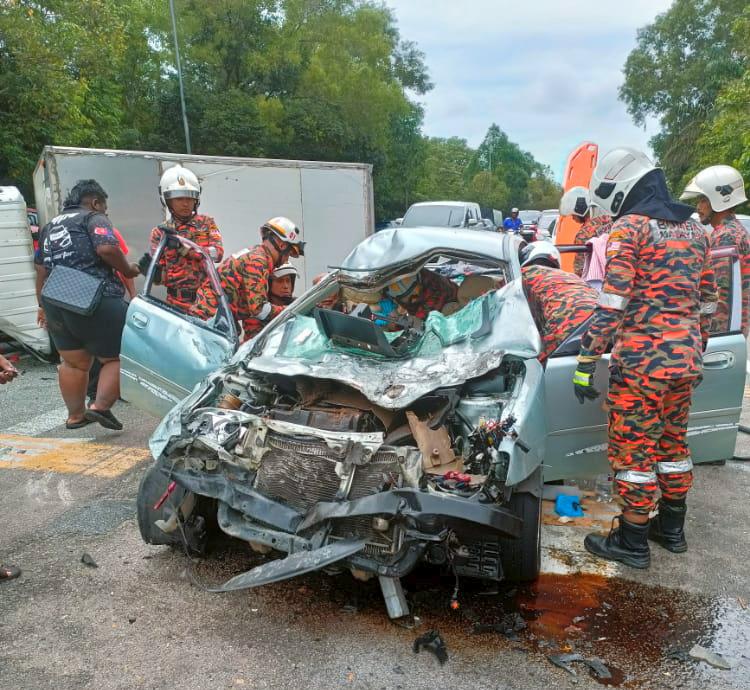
column 137, row 621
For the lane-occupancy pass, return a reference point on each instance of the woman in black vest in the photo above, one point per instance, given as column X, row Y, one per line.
column 82, row 238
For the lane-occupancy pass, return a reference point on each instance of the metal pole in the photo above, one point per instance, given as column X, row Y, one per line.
column 179, row 77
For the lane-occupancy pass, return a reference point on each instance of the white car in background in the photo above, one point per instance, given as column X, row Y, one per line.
column 546, row 224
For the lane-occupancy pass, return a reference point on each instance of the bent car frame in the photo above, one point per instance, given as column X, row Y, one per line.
column 345, row 445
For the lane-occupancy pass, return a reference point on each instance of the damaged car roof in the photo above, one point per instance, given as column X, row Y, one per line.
column 397, row 246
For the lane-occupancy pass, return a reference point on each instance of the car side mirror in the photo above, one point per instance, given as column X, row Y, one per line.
column 472, row 222
column 398, row 221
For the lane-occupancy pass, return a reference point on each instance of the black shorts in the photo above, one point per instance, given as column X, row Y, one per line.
column 99, row 334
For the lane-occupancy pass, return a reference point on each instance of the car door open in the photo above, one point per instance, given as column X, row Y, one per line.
column 577, row 434
column 165, row 352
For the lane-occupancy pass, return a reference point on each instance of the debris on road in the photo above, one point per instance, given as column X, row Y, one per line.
column 568, row 506
column 681, row 655
column 712, row 658
column 433, row 642
column 509, row 625
column 597, row 667
column 87, row 560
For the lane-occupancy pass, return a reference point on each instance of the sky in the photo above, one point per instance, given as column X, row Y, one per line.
column 545, row 71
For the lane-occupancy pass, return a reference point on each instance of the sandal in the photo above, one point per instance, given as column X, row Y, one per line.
column 103, row 417
column 9, row 572
column 79, row 424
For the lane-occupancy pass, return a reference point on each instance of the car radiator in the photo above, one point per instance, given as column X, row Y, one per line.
column 301, row 473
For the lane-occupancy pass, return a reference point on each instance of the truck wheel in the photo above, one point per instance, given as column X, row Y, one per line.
column 521, row 558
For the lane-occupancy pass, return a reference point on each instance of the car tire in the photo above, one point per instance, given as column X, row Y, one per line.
column 521, row 558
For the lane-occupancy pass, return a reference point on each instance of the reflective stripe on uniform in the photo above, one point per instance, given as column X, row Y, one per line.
column 265, row 311
column 709, row 307
column 635, row 477
column 581, row 379
column 609, row 300
column 674, row 467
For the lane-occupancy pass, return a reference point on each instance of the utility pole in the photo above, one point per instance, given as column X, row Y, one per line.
column 179, row 77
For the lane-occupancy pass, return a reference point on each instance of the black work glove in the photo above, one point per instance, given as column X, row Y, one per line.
column 144, row 262
column 173, row 242
column 583, row 382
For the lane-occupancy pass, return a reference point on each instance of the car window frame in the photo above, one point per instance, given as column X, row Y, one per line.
column 571, row 345
column 223, row 322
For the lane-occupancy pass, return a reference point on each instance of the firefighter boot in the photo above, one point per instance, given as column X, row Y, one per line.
column 627, row 543
column 668, row 527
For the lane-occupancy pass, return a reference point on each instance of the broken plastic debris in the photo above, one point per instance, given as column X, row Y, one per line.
column 87, row 560
column 432, row 641
column 712, row 658
column 597, row 667
column 508, row 626
column 680, row 655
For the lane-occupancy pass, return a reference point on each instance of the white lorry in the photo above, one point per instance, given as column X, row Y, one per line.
column 331, row 202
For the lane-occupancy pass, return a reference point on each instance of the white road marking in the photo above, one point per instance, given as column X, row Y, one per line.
column 41, row 424
column 563, row 553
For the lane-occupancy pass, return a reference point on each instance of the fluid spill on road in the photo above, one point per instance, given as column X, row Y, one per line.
column 631, row 627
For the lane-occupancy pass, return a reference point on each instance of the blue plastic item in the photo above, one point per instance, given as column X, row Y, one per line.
column 568, row 506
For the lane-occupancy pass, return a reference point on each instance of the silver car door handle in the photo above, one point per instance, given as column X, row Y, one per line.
column 139, row 320
column 718, row 360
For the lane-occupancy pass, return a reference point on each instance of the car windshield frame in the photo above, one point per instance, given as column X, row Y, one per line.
column 505, row 256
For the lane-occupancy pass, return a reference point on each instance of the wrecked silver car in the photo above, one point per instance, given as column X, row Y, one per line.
column 345, row 442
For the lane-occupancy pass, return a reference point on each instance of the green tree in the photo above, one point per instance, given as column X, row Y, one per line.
column 444, row 170
column 66, row 71
column 543, row 192
column 725, row 138
column 487, row 190
column 680, row 65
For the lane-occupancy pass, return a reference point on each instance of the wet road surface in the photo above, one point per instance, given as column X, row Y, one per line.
column 137, row 620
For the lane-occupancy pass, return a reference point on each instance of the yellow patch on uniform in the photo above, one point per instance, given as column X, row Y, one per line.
column 68, row 456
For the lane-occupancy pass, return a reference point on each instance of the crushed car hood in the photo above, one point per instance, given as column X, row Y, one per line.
column 396, row 383
column 390, row 383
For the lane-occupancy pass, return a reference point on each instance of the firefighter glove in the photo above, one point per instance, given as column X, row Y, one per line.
column 144, row 262
column 583, row 382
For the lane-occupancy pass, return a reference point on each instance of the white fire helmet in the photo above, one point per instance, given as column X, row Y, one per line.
column 575, row 202
column 615, row 176
column 285, row 230
column 722, row 185
column 541, row 252
column 285, row 270
column 179, row 182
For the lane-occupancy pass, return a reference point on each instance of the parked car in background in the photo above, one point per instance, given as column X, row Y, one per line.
column 530, row 220
column 443, row 214
column 546, row 223
column 337, row 444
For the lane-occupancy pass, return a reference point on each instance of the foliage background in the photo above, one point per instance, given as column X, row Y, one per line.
column 304, row 79
column 691, row 70
column 334, row 80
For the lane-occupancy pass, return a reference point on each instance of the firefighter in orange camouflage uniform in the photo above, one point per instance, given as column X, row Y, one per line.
column 559, row 301
column 422, row 293
column 245, row 278
column 181, row 269
column 720, row 189
column 576, row 202
column 659, row 294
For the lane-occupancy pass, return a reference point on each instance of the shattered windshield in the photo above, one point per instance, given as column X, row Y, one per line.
column 448, row 350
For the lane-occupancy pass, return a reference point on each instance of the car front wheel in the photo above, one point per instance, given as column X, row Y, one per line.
column 521, row 558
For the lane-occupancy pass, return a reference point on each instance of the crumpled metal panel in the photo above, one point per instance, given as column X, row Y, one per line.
column 395, row 384
column 397, row 246
column 292, row 566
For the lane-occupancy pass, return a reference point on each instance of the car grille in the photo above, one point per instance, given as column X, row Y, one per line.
column 301, row 473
